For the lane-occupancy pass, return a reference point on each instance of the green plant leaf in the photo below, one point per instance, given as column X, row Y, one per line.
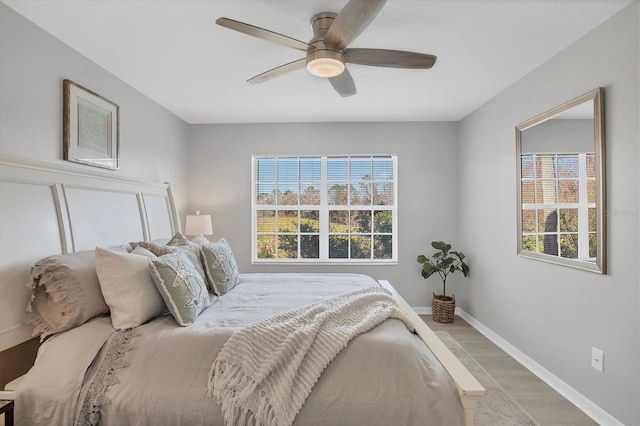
column 465, row 269
column 442, row 246
column 459, row 254
column 443, row 262
column 428, row 269
column 446, row 262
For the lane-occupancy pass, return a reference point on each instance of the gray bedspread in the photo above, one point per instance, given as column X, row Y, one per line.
column 384, row 377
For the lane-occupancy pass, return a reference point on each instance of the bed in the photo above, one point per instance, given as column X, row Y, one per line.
column 161, row 369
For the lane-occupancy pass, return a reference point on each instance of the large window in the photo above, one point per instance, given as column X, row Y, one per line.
column 558, row 205
column 328, row 209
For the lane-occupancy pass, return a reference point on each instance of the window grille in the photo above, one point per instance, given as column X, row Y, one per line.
column 324, row 209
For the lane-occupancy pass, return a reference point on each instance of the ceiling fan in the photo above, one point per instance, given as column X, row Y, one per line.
column 327, row 52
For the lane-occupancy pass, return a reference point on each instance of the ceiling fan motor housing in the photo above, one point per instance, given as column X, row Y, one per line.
column 323, row 61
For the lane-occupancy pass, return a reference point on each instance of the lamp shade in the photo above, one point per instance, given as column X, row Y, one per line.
column 198, row 224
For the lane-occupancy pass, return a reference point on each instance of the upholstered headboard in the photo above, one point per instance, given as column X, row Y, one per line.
column 50, row 209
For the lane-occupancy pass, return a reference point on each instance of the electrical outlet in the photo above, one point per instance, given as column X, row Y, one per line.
column 597, row 359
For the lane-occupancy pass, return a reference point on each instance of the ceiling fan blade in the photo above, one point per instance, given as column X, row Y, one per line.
column 390, row 58
column 352, row 19
column 343, row 84
column 278, row 71
column 263, row 34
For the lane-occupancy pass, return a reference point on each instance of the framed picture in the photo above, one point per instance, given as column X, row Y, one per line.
column 90, row 124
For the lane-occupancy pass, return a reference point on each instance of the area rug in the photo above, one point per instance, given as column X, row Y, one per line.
column 496, row 408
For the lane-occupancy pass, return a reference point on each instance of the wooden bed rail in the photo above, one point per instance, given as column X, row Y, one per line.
column 468, row 387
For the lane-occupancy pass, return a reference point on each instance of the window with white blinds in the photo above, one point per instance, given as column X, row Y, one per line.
column 327, row 209
column 559, row 204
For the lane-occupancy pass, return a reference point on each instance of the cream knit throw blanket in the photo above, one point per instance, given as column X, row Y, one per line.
column 264, row 372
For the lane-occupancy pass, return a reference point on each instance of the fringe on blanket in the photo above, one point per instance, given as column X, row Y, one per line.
column 265, row 372
column 239, row 388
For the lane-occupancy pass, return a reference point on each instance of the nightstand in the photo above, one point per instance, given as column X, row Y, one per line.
column 6, row 408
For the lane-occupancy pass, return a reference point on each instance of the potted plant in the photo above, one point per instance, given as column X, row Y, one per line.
column 444, row 262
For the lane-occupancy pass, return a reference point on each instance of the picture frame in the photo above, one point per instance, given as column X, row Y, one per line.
column 90, row 127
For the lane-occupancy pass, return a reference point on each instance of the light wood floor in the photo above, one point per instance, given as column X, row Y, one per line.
column 546, row 406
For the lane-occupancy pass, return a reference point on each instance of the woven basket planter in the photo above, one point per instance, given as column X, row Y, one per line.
column 442, row 308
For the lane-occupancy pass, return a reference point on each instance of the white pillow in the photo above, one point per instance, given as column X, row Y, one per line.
column 128, row 288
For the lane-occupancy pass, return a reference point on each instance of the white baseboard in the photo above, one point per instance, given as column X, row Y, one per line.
column 583, row 403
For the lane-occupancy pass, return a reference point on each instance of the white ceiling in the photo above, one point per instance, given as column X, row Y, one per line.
column 173, row 52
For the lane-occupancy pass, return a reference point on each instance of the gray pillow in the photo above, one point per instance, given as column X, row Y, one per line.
column 65, row 293
column 220, row 266
column 181, row 286
column 178, row 243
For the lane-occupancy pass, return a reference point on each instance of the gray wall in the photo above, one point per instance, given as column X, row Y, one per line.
column 33, row 65
column 220, row 184
column 555, row 314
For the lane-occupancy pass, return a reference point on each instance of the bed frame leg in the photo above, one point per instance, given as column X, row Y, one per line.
column 469, row 405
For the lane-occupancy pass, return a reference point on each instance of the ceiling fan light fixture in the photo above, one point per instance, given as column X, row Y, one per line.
column 325, row 62
column 325, row 67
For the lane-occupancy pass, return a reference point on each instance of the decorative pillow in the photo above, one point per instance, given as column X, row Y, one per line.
column 220, row 266
column 180, row 240
column 199, row 239
column 143, row 252
column 178, row 243
column 134, row 244
column 181, row 286
column 65, row 293
column 128, row 288
column 156, row 248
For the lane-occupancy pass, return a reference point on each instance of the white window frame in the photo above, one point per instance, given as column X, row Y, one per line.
column 324, row 209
